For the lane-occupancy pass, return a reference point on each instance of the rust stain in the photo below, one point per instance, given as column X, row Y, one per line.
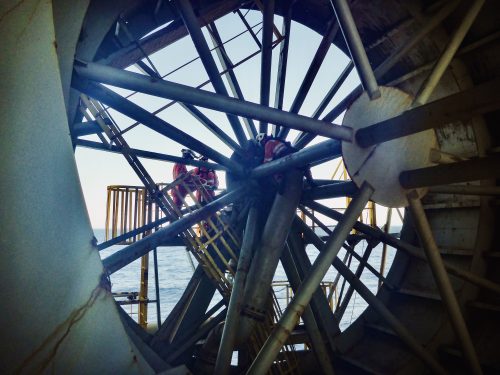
column 60, row 333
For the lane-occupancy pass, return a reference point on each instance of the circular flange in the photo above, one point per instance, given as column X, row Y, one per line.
column 381, row 164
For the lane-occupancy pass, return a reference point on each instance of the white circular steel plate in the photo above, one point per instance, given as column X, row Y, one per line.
column 380, row 165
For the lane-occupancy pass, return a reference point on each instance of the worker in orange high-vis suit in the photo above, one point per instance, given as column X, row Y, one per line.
column 274, row 148
column 179, row 192
column 208, row 178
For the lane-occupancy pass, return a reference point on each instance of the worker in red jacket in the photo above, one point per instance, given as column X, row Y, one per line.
column 179, row 192
column 209, row 180
column 274, row 148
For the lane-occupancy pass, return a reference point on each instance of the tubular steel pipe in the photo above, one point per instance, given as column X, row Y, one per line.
column 333, row 190
column 223, row 362
column 186, row 94
column 333, row 90
column 132, row 252
column 134, row 111
column 411, row 250
column 313, row 70
column 149, row 155
column 443, row 281
column 378, row 306
column 292, row 314
column 340, row 311
column 210, row 125
column 465, row 190
column 447, row 55
column 227, row 65
column 355, row 46
column 269, row 250
column 283, row 60
column 461, row 106
column 266, row 58
column 326, row 149
column 313, row 331
column 191, row 22
column 463, row 171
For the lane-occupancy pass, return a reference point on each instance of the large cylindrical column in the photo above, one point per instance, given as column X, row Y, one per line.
column 58, row 315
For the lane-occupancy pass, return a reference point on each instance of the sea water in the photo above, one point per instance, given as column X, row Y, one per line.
column 175, row 270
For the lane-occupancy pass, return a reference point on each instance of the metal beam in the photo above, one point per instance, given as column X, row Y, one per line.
column 443, row 282
column 224, row 356
column 249, row 28
column 86, row 128
column 339, row 312
column 149, row 155
column 411, row 250
column 379, row 72
column 269, row 249
column 283, row 60
column 132, row 252
column 191, row 22
column 266, row 57
column 463, row 171
column 210, row 125
column 356, row 48
column 333, row 90
column 379, row 307
column 465, row 190
column 313, row 330
column 139, row 114
column 457, row 107
column 295, row 308
column 227, row 65
column 333, row 190
column 313, row 70
column 186, row 94
column 447, row 55
column 132, row 233
column 326, row 149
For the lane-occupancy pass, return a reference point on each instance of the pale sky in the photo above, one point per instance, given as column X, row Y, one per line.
column 99, row 169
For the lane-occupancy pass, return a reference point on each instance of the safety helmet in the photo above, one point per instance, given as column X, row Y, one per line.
column 260, row 137
column 187, row 153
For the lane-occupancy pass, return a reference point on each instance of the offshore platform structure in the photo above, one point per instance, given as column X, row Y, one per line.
column 420, row 131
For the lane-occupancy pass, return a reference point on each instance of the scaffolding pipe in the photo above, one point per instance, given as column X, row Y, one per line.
column 411, row 250
column 187, row 94
column 447, row 55
column 132, row 252
column 225, row 353
column 356, row 48
column 443, row 282
column 292, row 314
